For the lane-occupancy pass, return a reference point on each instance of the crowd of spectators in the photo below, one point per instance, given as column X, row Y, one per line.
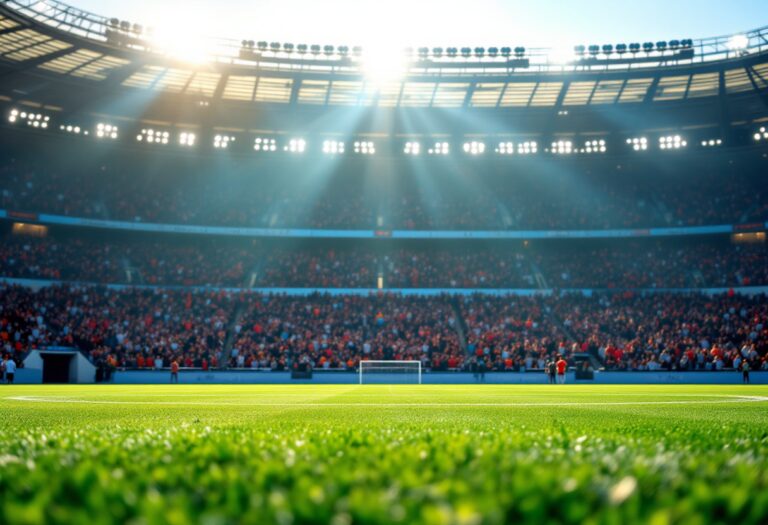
column 616, row 265
column 335, row 332
column 668, row 264
column 623, row 331
column 66, row 259
column 453, row 197
column 668, row 331
column 134, row 327
column 138, row 327
column 150, row 328
column 510, row 333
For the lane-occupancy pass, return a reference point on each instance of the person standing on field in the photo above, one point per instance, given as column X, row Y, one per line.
column 174, row 371
column 481, row 366
column 551, row 371
column 10, row 370
column 745, row 372
column 562, row 366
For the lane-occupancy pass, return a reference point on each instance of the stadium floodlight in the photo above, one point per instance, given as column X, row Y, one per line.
column 594, row 146
column 529, row 147
column 364, row 147
column 761, row 134
column 711, row 143
column 440, row 148
column 75, row 130
column 638, row 143
column 296, row 146
column 153, row 136
column 672, row 142
column 106, row 131
column 333, row 147
column 505, row 148
column 187, row 139
column 33, row 120
column 562, row 147
column 738, row 43
column 264, row 144
column 412, row 148
column 222, row 141
column 389, row 372
column 474, row 148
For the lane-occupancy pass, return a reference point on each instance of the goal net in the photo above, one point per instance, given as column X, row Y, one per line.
column 390, row 372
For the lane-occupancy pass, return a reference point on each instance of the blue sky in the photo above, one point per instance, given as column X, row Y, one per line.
column 550, row 23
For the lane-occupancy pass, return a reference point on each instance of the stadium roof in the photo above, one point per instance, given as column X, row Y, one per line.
column 47, row 48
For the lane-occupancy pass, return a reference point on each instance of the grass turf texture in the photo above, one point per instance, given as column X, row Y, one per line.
column 381, row 454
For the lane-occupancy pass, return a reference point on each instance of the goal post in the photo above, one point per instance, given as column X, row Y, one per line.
column 389, row 372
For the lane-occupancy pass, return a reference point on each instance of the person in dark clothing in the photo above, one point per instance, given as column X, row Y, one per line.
column 551, row 370
column 745, row 372
column 481, row 369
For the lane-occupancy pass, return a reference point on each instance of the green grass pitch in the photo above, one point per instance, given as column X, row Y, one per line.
column 383, row 454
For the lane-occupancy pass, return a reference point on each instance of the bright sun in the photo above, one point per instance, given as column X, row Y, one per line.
column 382, row 64
column 183, row 34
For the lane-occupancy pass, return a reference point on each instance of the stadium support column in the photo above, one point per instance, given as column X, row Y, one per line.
column 724, row 117
column 550, row 127
column 651, row 91
column 761, row 92
column 468, row 96
column 295, row 91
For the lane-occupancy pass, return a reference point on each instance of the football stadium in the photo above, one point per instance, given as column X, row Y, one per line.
column 344, row 275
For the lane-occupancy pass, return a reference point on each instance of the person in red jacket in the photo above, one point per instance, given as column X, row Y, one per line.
column 174, row 371
column 562, row 366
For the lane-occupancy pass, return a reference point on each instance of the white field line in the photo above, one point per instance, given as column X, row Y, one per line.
column 730, row 399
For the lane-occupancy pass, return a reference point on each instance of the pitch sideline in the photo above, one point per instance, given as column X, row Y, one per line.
column 730, row 399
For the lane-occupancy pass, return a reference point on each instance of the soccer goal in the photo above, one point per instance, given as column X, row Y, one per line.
column 390, row 372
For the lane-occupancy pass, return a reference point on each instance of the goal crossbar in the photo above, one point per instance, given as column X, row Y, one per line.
column 390, row 367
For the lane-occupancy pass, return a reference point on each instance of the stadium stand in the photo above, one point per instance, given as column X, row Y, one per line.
column 223, row 217
column 164, row 191
column 147, row 328
column 625, row 265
